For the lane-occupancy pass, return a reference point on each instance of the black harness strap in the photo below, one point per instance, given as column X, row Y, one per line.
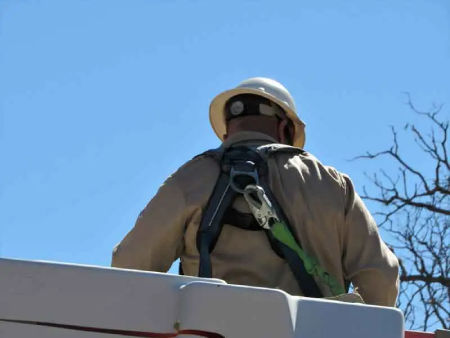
column 218, row 211
column 246, row 163
column 235, row 161
column 240, row 220
column 309, row 287
column 304, row 279
column 210, row 227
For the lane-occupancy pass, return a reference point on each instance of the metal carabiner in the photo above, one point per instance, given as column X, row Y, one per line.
column 260, row 205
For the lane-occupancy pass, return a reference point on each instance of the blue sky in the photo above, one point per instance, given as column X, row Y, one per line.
column 101, row 101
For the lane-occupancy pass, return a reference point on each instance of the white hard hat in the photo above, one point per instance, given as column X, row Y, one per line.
column 264, row 87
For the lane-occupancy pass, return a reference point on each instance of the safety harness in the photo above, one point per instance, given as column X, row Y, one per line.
column 244, row 171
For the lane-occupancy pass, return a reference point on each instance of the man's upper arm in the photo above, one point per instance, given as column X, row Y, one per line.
column 156, row 240
column 367, row 261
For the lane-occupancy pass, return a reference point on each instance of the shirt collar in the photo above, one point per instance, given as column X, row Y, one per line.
column 248, row 138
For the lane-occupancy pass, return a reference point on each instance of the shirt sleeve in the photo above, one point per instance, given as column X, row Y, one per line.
column 156, row 240
column 367, row 261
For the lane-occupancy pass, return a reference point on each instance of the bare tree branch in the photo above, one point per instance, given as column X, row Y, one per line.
column 416, row 213
column 426, row 279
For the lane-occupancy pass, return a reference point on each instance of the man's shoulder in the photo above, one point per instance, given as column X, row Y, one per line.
column 198, row 164
column 312, row 162
column 206, row 157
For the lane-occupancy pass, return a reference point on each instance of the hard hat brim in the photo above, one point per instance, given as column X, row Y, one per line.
column 217, row 115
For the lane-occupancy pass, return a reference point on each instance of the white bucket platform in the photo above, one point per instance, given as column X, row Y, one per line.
column 56, row 300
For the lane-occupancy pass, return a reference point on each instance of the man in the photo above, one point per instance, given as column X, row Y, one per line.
column 324, row 211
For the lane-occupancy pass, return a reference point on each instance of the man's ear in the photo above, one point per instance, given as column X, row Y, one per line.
column 227, row 126
column 282, row 131
column 285, row 132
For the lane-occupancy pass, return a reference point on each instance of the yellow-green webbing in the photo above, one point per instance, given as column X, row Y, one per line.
column 282, row 234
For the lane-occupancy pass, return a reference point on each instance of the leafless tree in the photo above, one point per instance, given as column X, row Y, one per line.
column 415, row 215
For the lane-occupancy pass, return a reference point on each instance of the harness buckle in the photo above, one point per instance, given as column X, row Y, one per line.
column 243, row 169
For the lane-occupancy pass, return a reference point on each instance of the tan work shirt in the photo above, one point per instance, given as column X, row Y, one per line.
column 329, row 217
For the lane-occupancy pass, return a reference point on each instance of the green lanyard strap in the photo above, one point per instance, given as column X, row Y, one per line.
column 282, row 234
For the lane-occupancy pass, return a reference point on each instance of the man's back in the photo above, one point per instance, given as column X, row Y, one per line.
column 328, row 217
